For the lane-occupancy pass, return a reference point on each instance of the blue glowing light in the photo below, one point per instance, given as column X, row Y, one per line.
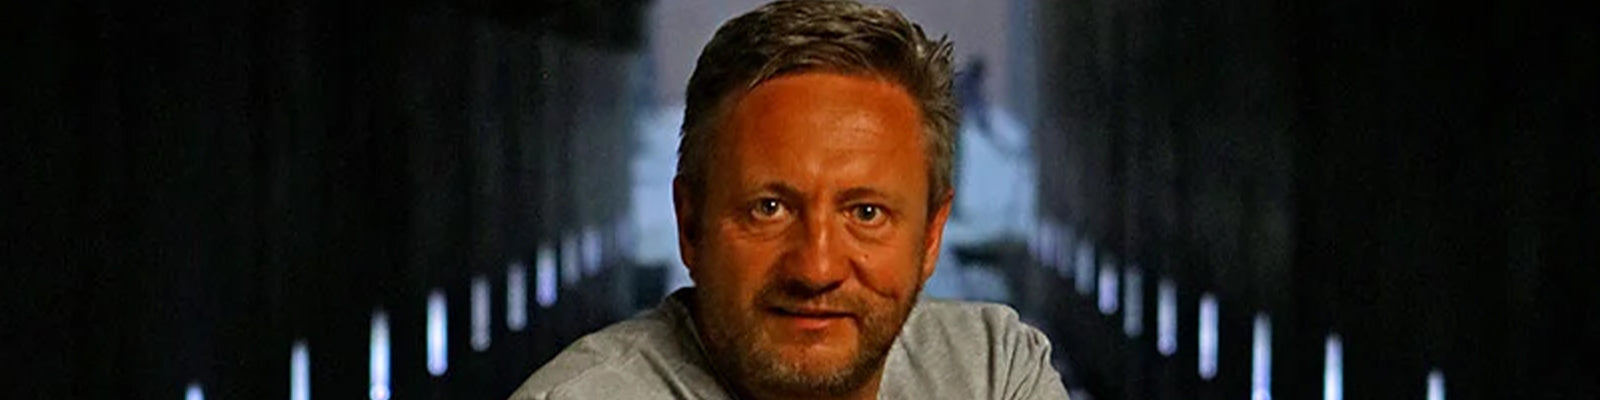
column 479, row 339
column 299, row 372
column 378, row 357
column 1333, row 369
column 437, row 334
column 1261, row 359
column 516, row 297
column 1167, row 318
column 1208, row 336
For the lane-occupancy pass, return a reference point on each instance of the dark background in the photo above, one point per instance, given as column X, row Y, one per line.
column 1418, row 177
column 194, row 185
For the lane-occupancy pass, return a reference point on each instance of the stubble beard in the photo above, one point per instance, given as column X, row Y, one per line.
column 748, row 357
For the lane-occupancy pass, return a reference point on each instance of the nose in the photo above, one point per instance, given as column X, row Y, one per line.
column 813, row 267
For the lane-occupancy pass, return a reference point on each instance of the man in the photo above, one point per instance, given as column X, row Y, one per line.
column 812, row 191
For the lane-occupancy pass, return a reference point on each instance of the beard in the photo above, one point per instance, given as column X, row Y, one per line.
column 752, row 358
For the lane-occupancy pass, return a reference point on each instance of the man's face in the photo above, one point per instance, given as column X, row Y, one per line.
column 815, row 232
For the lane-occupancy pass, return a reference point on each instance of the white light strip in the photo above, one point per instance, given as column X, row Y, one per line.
column 1261, row 359
column 480, row 313
column 516, row 297
column 545, row 280
column 378, row 357
column 299, row 372
column 1108, row 286
column 1133, row 301
column 571, row 271
column 437, row 352
column 1208, row 336
column 1084, row 277
column 1435, row 385
column 591, row 251
column 1333, row 369
column 1167, row 318
column 192, row 392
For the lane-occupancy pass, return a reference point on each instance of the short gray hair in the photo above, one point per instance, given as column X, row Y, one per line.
column 840, row 36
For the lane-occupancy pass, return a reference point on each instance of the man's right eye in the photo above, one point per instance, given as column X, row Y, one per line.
column 768, row 209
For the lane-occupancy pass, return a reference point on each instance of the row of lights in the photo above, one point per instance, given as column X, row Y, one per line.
column 581, row 258
column 1104, row 283
column 588, row 264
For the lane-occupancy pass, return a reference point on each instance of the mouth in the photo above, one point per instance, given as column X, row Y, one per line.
column 809, row 318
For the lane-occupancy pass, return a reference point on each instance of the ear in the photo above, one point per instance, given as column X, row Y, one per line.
column 683, row 204
column 934, row 233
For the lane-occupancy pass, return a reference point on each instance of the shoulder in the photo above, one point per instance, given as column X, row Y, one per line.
column 966, row 321
column 971, row 350
column 639, row 357
column 593, row 381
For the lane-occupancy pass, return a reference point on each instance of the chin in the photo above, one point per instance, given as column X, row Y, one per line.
column 816, row 359
column 833, row 348
column 810, row 372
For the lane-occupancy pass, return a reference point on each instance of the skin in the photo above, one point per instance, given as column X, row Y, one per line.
column 816, row 233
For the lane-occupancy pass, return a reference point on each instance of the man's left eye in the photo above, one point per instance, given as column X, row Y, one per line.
column 868, row 213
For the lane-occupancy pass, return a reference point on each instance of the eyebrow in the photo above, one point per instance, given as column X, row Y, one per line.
column 781, row 188
column 785, row 190
column 864, row 192
column 861, row 192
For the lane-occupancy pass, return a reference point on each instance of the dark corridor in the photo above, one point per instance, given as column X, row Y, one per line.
column 429, row 198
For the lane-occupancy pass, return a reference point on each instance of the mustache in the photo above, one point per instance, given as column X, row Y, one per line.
column 790, row 295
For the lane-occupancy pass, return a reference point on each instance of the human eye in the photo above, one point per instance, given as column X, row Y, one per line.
column 869, row 214
column 768, row 209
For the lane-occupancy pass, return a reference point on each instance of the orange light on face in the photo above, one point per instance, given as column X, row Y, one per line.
column 815, row 236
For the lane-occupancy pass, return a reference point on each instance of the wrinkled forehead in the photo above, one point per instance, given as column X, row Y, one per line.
column 734, row 96
column 828, row 125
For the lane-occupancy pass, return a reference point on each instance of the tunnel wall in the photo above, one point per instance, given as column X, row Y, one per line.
column 1414, row 183
column 203, row 184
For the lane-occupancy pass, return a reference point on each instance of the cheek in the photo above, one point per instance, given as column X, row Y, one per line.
column 891, row 271
column 732, row 269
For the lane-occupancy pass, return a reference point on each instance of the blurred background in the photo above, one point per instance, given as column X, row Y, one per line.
column 430, row 198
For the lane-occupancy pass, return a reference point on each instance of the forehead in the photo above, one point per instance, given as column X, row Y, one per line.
column 822, row 125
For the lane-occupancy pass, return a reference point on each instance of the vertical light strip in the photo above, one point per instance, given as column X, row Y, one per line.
column 545, row 268
column 378, row 357
column 192, row 392
column 1108, row 286
column 1167, row 317
column 480, row 313
column 1061, row 249
column 591, row 247
column 1043, row 244
column 1261, row 359
column 1333, row 369
column 299, row 372
column 1208, row 336
column 1133, row 301
column 516, row 297
column 571, row 270
column 1084, row 277
column 437, row 352
column 1435, row 385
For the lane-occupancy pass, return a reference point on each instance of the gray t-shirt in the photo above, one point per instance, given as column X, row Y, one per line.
column 947, row 350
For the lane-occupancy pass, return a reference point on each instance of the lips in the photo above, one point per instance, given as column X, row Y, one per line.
column 809, row 312
column 809, row 318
